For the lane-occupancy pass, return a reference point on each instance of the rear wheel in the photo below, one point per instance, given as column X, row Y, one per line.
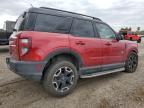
column 60, row 78
column 131, row 63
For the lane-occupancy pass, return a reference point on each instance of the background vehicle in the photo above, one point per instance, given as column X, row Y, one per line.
column 59, row 47
column 6, row 32
column 129, row 35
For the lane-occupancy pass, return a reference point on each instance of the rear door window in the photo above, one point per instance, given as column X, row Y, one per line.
column 82, row 28
column 50, row 23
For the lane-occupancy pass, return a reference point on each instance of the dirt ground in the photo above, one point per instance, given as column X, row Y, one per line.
column 119, row 90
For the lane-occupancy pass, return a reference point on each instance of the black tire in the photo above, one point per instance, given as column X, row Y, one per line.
column 131, row 63
column 56, row 77
column 139, row 41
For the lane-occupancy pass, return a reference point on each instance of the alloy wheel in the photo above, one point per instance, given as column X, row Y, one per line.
column 63, row 79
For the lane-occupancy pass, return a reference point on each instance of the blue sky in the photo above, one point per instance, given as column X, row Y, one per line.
column 117, row 13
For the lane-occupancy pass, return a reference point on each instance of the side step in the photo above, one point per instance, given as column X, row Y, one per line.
column 102, row 73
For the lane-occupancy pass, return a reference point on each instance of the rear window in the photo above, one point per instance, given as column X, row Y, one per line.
column 50, row 23
column 82, row 28
column 20, row 22
column 30, row 23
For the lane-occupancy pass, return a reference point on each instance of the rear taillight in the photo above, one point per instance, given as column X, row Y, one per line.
column 24, row 45
column 13, row 45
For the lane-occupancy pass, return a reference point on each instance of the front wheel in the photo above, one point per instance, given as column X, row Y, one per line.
column 139, row 41
column 131, row 63
column 60, row 78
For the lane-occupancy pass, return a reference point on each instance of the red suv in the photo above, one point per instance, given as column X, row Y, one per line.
column 58, row 47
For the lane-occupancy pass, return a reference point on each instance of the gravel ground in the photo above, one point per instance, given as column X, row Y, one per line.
column 119, row 90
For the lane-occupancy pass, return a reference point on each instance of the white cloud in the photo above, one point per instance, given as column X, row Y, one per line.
column 5, row 17
column 103, row 4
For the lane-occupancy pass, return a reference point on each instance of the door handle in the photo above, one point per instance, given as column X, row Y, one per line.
column 80, row 43
column 108, row 44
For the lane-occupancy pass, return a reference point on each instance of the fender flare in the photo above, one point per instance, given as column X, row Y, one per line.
column 67, row 51
column 134, row 49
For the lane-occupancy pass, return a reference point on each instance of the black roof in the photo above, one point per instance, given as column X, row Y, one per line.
column 45, row 10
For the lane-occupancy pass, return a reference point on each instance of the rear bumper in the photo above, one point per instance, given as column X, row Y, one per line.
column 29, row 70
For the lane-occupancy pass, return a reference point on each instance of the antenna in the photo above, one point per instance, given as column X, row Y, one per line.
column 31, row 5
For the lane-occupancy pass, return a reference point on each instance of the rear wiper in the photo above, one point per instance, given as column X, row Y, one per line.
column 14, row 30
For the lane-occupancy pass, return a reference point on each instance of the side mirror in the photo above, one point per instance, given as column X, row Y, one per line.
column 120, row 37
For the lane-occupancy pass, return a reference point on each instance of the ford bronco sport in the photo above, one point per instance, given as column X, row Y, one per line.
column 58, row 47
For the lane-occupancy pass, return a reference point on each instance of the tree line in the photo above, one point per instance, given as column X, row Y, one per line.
column 138, row 30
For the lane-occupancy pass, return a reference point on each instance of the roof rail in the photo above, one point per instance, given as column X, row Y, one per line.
column 73, row 13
